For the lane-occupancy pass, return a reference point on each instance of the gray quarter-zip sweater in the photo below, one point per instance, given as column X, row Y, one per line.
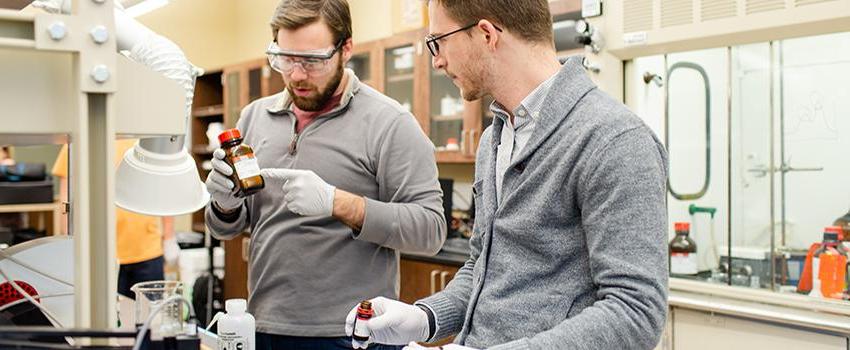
column 305, row 273
column 574, row 255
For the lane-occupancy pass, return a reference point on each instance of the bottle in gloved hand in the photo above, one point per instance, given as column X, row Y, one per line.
column 683, row 252
column 246, row 170
column 361, row 328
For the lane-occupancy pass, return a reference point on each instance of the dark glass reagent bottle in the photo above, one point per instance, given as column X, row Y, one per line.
column 240, row 157
column 364, row 313
column 683, row 252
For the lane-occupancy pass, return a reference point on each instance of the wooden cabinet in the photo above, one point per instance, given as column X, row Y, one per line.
column 207, row 108
column 420, row 279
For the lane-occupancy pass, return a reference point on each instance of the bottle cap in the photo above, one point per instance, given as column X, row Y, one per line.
column 229, row 134
column 832, row 229
column 682, row 226
column 235, row 305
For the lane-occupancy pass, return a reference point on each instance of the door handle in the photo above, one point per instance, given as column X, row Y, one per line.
column 246, row 243
column 472, row 142
column 434, row 281
column 443, row 275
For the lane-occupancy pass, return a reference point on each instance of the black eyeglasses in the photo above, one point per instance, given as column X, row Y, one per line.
column 434, row 46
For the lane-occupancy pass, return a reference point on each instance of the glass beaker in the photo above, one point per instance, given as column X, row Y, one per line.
column 150, row 296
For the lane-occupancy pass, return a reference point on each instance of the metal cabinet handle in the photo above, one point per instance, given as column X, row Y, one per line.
column 434, row 281
column 246, row 243
column 471, row 148
column 443, row 275
column 463, row 139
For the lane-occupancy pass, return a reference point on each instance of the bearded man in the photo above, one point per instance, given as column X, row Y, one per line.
column 351, row 182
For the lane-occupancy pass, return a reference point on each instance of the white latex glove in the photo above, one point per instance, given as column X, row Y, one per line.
column 414, row 346
column 305, row 193
column 171, row 251
column 394, row 323
column 221, row 188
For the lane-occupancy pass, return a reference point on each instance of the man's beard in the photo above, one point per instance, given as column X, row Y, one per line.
column 315, row 102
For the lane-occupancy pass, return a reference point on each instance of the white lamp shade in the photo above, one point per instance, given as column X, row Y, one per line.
column 157, row 184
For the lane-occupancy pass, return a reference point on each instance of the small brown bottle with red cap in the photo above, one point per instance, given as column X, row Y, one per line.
column 364, row 313
column 683, row 252
column 240, row 157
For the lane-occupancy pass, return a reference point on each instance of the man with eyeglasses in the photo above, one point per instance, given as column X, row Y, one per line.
column 569, row 243
column 350, row 182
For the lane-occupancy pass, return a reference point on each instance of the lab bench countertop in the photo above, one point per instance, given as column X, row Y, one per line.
column 455, row 252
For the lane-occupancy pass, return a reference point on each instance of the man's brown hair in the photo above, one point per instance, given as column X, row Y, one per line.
column 294, row 14
column 529, row 19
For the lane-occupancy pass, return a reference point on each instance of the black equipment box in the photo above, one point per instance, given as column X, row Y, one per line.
column 25, row 192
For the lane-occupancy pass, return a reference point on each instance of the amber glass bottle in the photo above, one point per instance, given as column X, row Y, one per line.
column 683, row 252
column 364, row 313
column 246, row 171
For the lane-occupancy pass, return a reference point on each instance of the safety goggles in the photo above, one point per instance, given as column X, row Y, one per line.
column 433, row 41
column 314, row 62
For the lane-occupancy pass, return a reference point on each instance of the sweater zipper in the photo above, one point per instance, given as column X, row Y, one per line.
column 293, row 146
column 296, row 136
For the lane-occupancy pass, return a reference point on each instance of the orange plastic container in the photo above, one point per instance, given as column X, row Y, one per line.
column 832, row 272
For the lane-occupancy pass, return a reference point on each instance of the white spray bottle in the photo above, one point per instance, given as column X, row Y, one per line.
column 235, row 327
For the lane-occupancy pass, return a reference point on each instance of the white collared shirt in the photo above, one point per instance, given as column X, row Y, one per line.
column 515, row 135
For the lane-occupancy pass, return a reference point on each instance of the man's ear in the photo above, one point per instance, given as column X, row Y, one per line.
column 492, row 36
column 346, row 50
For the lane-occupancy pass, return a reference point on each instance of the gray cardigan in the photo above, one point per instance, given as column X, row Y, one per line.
column 305, row 273
column 575, row 255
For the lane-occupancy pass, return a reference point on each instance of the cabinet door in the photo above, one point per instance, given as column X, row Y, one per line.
column 255, row 83
column 446, row 111
column 405, row 74
column 367, row 63
column 421, row 279
column 232, row 93
column 690, row 330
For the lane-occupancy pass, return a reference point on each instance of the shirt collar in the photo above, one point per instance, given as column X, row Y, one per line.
column 529, row 108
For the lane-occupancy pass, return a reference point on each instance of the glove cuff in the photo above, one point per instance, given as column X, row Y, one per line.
column 330, row 190
column 228, row 217
column 432, row 322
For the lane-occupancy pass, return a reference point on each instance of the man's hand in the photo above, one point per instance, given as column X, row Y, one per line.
column 394, row 323
column 221, row 188
column 305, row 193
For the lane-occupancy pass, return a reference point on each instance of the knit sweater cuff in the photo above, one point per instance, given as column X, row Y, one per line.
column 449, row 320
